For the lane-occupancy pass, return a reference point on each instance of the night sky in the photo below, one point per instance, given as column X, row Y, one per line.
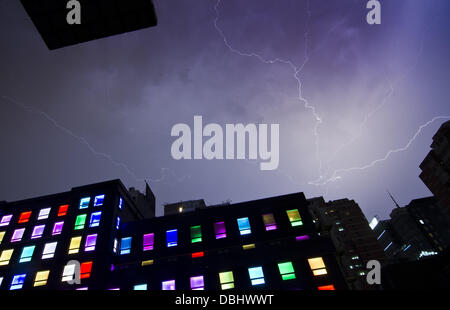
column 104, row 109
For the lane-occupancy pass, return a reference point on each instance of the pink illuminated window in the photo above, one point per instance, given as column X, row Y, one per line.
column 148, row 241
column 219, row 229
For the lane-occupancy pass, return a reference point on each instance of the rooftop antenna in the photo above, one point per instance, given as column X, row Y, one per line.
column 393, row 199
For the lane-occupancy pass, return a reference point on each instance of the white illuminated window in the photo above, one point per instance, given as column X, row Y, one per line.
column 49, row 250
column 44, row 213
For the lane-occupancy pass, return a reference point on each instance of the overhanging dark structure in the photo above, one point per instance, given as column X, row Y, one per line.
column 99, row 19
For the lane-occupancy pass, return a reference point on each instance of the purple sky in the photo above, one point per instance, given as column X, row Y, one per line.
column 104, row 109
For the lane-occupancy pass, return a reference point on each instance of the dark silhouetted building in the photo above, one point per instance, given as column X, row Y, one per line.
column 184, row 206
column 355, row 242
column 436, row 166
column 99, row 19
column 99, row 237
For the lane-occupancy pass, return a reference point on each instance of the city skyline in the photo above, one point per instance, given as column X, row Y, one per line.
column 103, row 110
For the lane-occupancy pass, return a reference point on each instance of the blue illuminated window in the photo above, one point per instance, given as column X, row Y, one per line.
column 95, row 219
column 244, row 226
column 118, row 222
column 17, row 282
column 84, row 202
column 98, row 200
column 256, row 275
column 27, row 254
column 172, row 236
column 140, row 287
column 120, row 203
column 125, row 246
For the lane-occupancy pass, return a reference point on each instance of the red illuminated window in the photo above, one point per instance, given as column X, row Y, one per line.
column 63, row 210
column 326, row 288
column 197, row 254
column 85, row 270
column 24, row 217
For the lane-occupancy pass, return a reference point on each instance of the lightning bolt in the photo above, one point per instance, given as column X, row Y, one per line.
column 165, row 172
column 335, row 176
column 296, row 70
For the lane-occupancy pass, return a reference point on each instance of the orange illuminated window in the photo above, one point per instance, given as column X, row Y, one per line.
column 24, row 217
column 197, row 254
column 85, row 270
column 317, row 266
column 326, row 288
column 63, row 210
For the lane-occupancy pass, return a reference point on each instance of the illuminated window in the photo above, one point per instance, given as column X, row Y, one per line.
column 38, row 231
column 244, row 226
column 256, row 275
column 125, row 246
column 80, row 221
column 17, row 235
column 269, row 222
column 196, row 234
column 118, row 222
column 74, row 246
column 171, row 236
column 85, row 270
column 168, row 285
column 248, row 246
column 24, row 217
column 140, row 287
column 294, row 217
column 226, row 280
column 219, row 229
column 148, row 241
column 49, row 250
column 69, row 272
column 197, row 283
column 120, row 203
column 317, row 266
column 62, row 211
column 91, row 241
column 115, row 244
column 301, row 238
column 5, row 220
column 326, row 288
column 27, row 254
column 286, row 270
column 1, row 280
column 41, row 278
column 98, row 200
column 84, row 202
column 198, row 254
column 5, row 257
column 147, row 262
column 17, row 282
column 2, row 235
column 44, row 213
column 57, row 228
column 95, row 219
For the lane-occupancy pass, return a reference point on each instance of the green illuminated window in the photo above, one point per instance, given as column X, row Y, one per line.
column 226, row 280
column 80, row 221
column 286, row 270
column 294, row 217
column 196, row 234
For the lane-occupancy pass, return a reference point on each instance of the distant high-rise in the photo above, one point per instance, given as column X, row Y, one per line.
column 355, row 241
column 436, row 166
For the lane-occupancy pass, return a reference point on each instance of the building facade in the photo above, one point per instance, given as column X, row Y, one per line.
column 355, row 242
column 436, row 166
column 97, row 237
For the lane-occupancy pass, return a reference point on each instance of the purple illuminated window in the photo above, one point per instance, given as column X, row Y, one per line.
column 168, row 285
column 219, row 229
column 148, row 242
column 38, row 231
column 17, row 235
column 5, row 220
column 301, row 238
column 197, row 283
column 57, row 228
column 91, row 240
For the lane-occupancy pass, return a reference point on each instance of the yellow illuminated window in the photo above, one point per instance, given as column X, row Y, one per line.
column 5, row 257
column 41, row 278
column 317, row 266
column 294, row 217
column 147, row 262
column 2, row 234
column 74, row 245
column 248, row 246
column 226, row 280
